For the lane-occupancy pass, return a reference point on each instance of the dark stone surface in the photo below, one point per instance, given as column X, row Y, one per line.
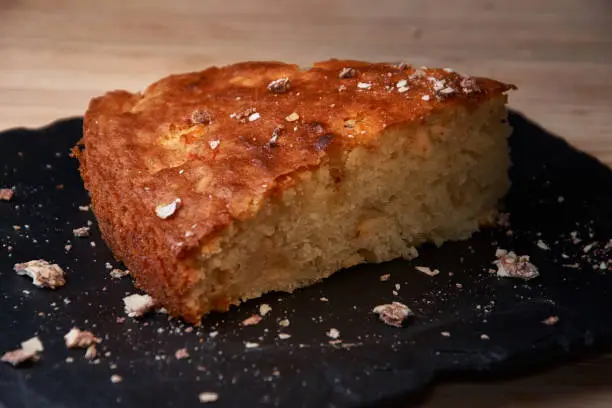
column 383, row 365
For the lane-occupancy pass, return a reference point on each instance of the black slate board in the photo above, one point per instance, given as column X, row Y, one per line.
column 556, row 190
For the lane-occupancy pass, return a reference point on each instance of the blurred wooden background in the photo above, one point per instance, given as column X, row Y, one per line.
column 57, row 54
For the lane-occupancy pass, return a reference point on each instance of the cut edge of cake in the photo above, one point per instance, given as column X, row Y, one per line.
column 429, row 182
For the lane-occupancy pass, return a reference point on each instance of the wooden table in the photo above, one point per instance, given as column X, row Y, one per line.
column 56, row 54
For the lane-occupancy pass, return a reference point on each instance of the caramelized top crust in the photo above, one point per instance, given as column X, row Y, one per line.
column 223, row 139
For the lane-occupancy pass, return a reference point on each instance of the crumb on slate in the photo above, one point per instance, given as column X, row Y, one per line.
column 511, row 265
column 393, row 314
column 181, row 354
column 551, row 320
column 206, row 397
column 427, row 271
column 6, row 194
column 91, row 352
column 43, row 274
column 333, row 333
column 264, row 309
column 118, row 273
column 251, row 321
column 30, row 351
column 76, row 338
column 138, row 305
column 81, row 232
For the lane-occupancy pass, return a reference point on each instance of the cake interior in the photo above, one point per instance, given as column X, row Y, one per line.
column 433, row 181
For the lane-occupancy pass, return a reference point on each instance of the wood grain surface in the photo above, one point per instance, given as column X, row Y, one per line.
column 57, row 54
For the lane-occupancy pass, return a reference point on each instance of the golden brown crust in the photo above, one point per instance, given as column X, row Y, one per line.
column 223, row 139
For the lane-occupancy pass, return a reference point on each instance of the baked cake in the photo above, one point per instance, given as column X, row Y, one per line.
column 217, row 186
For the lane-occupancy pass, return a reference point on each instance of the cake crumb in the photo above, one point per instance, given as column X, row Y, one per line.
column 251, row 321
column 427, row 271
column 118, row 273
column 333, row 333
column 484, row 337
column 165, row 211
column 588, row 247
column 264, row 309
column 284, row 336
column 393, row 314
column 91, row 352
column 6, row 194
column 206, row 397
column 83, row 208
column 510, row 265
column 572, row 266
column 81, row 232
column 551, row 320
column 254, row 116
column 116, row 378
column 138, row 305
column 445, row 334
column 43, row 274
column 364, row 85
column 542, row 245
column 250, row 345
column 67, row 247
column 181, row 354
column 30, row 351
column 385, row 277
column 284, row 323
column 76, row 338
